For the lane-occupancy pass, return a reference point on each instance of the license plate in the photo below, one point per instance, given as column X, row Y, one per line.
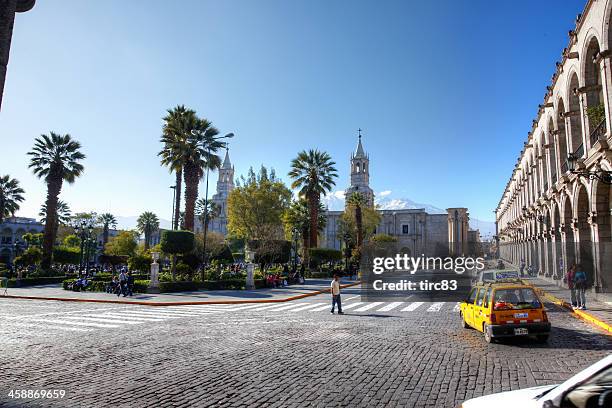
column 521, row 315
column 520, row 332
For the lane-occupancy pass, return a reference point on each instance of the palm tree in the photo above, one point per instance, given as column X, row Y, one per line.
column 147, row 224
column 10, row 196
column 62, row 215
column 108, row 221
column 198, row 155
column 55, row 158
column 206, row 211
column 358, row 201
column 298, row 217
column 313, row 172
column 173, row 138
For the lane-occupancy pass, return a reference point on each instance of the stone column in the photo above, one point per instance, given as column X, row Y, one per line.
column 8, row 8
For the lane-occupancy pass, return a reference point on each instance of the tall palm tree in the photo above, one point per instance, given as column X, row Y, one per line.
column 55, row 158
column 313, row 172
column 173, row 139
column 63, row 215
column 206, row 211
column 147, row 224
column 10, row 196
column 357, row 201
column 108, row 221
column 198, row 156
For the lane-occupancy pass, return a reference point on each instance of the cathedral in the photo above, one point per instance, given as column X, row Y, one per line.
column 416, row 230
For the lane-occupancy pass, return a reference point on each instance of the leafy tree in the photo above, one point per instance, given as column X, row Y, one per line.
column 123, row 244
column 55, row 158
column 140, row 262
column 66, row 255
column 206, row 211
column 31, row 256
column 147, row 224
column 270, row 251
column 33, row 239
column 108, row 221
column 347, row 226
column 72, row 241
column 256, row 208
column 313, row 173
column 383, row 238
column 298, row 217
column 10, row 196
column 324, row 255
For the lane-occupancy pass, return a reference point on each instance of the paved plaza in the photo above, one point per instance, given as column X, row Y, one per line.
column 291, row 354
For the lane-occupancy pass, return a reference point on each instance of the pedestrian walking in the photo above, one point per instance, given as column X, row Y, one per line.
column 580, row 282
column 130, row 283
column 569, row 279
column 335, row 292
column 122, row 283
column 522, row 266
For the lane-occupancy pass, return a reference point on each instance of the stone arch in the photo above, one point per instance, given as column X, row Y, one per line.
column 566, row 219
column 561, row 137
column 592, row 78
column 551, row 151
column 5, row 256
column 574, row 137
column 584, row 237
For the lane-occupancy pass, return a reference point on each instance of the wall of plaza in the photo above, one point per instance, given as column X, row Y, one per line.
column 549, row 216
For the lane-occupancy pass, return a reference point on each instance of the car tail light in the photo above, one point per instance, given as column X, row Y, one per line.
column 544, row 316
column 493, row 318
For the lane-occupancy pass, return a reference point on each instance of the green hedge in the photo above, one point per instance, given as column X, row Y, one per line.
column 43, row 280
column 108, row 277
column 140, row 286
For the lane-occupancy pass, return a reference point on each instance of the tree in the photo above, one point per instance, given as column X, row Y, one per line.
column 173, row 134
column 190, row 144
column 147, row 224
column 62, row 216
column 10, row 197
column 72, row 241
column 298, row 217
column 177, row 243
column 313, row 173
column 357, row 201
column 32, row 239
column 108, row 221
column 31, row 256
column 55, row 158
column 206, row 211
column 347, row 225
column 123, row 244
column 255, row 209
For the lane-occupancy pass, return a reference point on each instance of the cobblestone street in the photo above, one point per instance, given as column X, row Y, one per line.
column 288, row 354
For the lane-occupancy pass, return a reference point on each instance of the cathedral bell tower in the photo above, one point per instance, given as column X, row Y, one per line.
column 360, row 174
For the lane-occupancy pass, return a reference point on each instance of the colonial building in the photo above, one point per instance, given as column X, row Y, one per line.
column 11, row 233
column 556, row 207
column 416, row 230
column 225, row 184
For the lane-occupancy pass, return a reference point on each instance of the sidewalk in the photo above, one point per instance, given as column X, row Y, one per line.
column 598, row 310
column 55, row 292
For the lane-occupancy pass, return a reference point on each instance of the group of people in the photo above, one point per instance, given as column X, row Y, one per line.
column 122, row 284
column 576, row 280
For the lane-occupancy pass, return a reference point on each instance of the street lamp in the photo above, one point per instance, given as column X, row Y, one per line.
column 83, row 230
column 212, row 139
column 296, row 238
column 602, row 175
column 173, row 202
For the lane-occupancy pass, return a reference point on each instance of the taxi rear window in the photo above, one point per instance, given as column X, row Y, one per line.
column 517, row 298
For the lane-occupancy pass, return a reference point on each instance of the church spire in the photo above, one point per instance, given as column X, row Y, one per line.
column 226, row 162
column 359, row 152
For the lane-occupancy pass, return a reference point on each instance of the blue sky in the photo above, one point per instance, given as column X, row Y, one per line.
column 445, row 91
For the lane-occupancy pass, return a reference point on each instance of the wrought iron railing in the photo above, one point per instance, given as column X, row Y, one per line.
column 579, row 152
column 564, row 167
column 598, row 132
column 554, row 176
column 545, row 186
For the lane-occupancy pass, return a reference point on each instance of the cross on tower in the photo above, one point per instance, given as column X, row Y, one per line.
column 359, row 130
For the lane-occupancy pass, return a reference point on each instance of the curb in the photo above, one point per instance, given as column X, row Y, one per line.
column 578, row 314
column 161, row 304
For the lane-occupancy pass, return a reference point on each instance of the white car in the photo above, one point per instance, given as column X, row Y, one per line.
column 590, row 388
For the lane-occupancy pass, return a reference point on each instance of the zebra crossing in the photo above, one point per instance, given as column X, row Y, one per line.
column 116, row 318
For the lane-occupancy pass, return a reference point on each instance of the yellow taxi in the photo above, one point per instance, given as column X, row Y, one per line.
column 505, row 309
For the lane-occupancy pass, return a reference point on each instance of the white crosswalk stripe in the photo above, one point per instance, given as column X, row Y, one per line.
column 297, row 309
column 457, row 307
column 134, row 318
column 368, row 306
column 435, row 307
column 412, row 307
column 286, row 307
column 102, row 320
column 86, row 324
column 390, row 306
column 349, row 306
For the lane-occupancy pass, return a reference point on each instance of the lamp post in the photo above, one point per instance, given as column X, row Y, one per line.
column 296, row 238
column 204, row 257
column 83, row 230
column 173, row 203
column 602, row 175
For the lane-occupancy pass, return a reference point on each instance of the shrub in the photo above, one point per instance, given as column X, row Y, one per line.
column 31, row 256
column 272, row 251
column 113, row 259
column 66, row 255
column 140, row 263
column 223, row 255
column 43, row 280
column 324, row 255
column 179, row 286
